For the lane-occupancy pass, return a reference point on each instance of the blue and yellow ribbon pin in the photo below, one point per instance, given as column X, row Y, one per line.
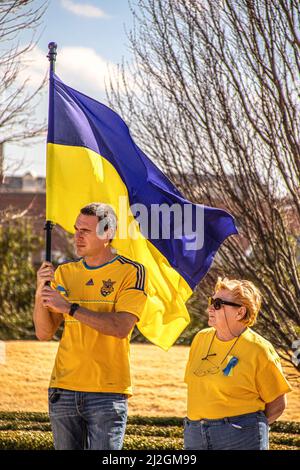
column 231, row 364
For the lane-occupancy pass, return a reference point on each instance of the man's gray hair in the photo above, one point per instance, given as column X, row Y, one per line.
column 106, row 216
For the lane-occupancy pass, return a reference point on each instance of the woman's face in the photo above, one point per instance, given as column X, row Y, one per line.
column 217, row 318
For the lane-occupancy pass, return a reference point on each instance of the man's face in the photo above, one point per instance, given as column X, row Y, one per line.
column 87, row 243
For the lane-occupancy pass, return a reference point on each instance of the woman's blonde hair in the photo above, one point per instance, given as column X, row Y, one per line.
column 245, row 293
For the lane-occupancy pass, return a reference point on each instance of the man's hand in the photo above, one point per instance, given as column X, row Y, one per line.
column 54, row 300
column 44, row 274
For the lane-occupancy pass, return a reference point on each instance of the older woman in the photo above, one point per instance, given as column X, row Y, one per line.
column 236, row 387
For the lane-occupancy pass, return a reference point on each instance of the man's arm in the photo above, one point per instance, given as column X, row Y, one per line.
column 45, row 322
column 275, row 408
column 118, row 324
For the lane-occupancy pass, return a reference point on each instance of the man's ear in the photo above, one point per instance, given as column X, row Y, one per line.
column 109, row 234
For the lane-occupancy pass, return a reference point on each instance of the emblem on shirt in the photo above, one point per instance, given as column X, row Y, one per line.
column 108, row 287
column 90, row 283
column 62, row 290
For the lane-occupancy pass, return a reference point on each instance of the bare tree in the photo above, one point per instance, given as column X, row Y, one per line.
column 213, row 97
column 17, row 100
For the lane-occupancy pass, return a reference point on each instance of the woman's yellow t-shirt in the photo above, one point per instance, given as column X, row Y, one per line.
column 255, row 380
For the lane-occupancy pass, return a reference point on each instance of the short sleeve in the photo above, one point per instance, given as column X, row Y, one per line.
column 58, row 283
column 270, row 380
column 132, row 296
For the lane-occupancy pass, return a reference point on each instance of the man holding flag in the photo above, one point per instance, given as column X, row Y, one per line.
column 92, row 157
column 100, row 297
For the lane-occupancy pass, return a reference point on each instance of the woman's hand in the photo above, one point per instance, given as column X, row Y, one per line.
column 275, row 408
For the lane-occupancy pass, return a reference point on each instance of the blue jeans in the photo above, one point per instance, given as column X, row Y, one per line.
column 244, row 432
column 86, row 420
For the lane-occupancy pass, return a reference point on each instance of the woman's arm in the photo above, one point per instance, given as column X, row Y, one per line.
column 275, row 408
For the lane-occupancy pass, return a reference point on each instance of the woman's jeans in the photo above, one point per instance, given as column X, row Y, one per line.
column 244, row 432
column 86, row 420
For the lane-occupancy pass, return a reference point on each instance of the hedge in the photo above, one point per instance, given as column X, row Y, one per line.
column 32, row 431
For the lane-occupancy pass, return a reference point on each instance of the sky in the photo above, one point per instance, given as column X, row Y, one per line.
column 91, row 38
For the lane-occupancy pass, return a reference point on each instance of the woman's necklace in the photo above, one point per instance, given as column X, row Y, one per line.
column 214, row 354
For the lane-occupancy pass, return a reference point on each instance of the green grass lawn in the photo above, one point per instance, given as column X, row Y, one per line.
column 21, row 431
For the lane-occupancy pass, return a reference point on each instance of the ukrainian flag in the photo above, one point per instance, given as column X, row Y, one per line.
column 92, row 157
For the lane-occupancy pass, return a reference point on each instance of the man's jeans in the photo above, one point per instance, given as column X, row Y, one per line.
column 86, row 420
column 244, row 432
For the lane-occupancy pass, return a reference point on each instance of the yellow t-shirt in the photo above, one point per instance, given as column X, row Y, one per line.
column 255, row 380
column 87, row 360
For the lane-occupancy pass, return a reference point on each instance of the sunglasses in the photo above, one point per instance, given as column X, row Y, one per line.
column 217, row 303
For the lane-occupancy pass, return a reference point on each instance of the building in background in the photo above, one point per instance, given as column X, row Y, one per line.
column 27, row 183
column 26, row 195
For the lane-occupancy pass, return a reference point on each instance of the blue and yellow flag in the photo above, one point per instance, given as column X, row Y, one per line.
column 91, row 157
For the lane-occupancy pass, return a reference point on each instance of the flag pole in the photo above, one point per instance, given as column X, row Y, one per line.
column 52, row 47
